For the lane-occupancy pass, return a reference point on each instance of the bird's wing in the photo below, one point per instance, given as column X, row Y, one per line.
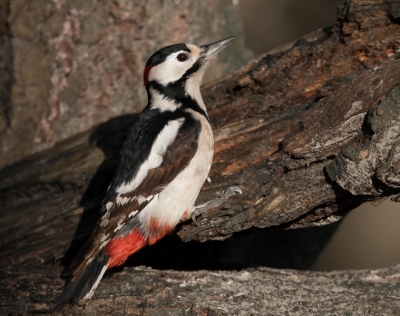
column 167, row 158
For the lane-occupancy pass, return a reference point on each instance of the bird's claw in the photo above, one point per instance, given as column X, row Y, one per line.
column 226, row 194
column 229, row 191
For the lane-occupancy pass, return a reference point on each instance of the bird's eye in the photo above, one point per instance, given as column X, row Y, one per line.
column 182, row 57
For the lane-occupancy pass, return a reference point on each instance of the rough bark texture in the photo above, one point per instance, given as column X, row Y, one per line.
column 5, row 67
column 309, row 130
column 80, row 63
column 262, row 291
column 298, row 128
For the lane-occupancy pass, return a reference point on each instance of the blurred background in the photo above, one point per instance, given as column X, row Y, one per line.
column 369, row 236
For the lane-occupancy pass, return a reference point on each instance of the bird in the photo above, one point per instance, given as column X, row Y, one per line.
column 163, row 164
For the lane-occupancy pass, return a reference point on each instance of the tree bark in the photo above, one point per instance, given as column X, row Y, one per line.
column 5, row 68
column 79, row 63
column 261, row 291
column 309, row 131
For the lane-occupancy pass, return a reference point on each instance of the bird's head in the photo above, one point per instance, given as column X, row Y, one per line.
column 177, row 70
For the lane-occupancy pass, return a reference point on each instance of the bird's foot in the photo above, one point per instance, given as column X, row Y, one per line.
column 226, row 194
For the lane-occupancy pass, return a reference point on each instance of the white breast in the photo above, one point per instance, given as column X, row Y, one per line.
column 179, row 196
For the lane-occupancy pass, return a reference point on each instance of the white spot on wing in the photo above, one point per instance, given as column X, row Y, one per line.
column 108, row 205
column 133, row 213
column 120, row 224
column 105, row 242
column 160, row 145
column 141, row 199
column 105, row 219
column 122, row 201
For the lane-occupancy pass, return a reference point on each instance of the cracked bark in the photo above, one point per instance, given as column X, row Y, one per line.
column 309, row 130
column 261, row 291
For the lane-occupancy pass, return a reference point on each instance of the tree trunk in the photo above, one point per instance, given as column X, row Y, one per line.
column 79, row 63
column 309, row 131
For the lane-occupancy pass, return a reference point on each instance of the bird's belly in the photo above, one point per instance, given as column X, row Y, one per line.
column 178, row 197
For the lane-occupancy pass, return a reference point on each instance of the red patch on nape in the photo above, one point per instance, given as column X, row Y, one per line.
column 156, row 230
column 120, row 248
column 146, row 74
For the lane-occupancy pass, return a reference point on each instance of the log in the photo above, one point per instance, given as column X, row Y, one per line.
column 261, row 291
column 298, row 129
column 309, row 131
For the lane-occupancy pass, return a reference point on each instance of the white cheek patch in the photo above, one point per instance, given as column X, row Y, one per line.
column 171, row 69
column 160, row 145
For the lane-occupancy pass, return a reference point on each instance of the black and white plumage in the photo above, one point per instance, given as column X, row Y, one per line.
column 163, row 165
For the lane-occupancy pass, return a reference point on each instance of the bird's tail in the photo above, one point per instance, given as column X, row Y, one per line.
column 83, row 287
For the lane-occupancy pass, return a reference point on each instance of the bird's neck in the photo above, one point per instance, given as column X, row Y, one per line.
column 176, row 95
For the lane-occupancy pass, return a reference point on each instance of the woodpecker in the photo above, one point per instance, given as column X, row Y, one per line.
column 163, row 164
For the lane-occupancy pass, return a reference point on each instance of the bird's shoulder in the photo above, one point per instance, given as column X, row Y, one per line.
column 153, row 135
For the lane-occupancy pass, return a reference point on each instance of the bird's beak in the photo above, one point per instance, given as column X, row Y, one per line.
column 210, row 50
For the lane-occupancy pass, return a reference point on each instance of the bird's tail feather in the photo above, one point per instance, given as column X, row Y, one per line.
column 83, row 287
